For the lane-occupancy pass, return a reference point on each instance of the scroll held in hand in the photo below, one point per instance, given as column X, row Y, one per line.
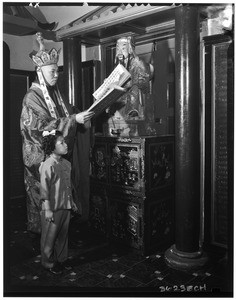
column 111, row 90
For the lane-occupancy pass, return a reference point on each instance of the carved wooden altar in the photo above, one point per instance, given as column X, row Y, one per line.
column 132, row 190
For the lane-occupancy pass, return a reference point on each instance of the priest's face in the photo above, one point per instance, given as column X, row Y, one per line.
column 50, row 74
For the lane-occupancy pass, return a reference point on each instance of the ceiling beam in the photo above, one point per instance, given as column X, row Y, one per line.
column 129, row 14
column 134, row 28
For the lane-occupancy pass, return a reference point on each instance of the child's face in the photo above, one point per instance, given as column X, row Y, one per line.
column 60, row 146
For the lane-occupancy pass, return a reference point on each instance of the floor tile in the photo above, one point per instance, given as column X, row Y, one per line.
column 110, row 268
column 158, row 263
column 131, row 259
column 89, row 278
column 174, row 277
column 121, row 282
column 141, row 272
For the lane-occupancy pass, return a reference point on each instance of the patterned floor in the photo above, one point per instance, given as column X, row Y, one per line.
column 102, row 269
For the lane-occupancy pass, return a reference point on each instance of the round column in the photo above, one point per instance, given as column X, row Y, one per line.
column 185, row 253
column 72, row 70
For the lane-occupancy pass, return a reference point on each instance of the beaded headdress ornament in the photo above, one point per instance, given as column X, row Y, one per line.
column 44, row 57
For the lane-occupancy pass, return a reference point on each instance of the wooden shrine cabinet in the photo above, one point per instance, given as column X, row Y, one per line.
column 132, row 190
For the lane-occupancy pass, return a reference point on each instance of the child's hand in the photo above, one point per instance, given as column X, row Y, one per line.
column 49, row 215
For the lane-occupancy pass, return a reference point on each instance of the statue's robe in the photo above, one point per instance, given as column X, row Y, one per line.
column 132, row 105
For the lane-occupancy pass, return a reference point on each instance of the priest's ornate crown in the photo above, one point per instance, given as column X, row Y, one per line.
column 44, row 57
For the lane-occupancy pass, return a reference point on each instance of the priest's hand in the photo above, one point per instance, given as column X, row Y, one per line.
column 84, row 116
column 49, row 215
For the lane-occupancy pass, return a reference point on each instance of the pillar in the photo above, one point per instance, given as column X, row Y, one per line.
column 72, row 75
column 72, row 71
column 185, row 253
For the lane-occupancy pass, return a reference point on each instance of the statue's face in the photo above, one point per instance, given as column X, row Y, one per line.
column 122, row 49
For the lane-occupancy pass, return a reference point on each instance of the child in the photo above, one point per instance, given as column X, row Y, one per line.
column 57, row 202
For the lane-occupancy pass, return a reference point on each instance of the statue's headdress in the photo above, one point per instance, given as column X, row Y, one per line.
column 44, row 57
column 130, row 43
column 127, row 39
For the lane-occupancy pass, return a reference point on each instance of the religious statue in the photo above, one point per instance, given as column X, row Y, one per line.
column 130, row 108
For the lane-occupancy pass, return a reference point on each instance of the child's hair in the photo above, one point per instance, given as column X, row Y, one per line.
column 49, row 142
